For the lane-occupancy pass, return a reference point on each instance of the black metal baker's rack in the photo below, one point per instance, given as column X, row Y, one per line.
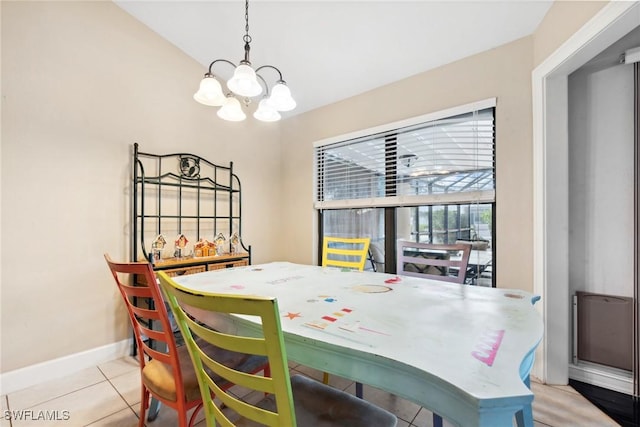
column 197, row 190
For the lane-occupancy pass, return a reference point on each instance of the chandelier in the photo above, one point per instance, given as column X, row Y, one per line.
column 246, row 83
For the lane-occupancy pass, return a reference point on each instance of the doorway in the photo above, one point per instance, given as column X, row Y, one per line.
column 551, row 183
column 602, row 216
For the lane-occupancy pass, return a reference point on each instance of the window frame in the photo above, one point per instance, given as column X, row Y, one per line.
column 391, row 201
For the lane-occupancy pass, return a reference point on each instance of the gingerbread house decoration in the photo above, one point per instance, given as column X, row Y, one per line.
column 157, row 246
column 180, row 245
column 234, row 240
column 219, row 243
column 204, row 248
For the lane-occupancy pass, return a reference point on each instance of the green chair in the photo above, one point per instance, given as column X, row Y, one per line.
column 282, row 400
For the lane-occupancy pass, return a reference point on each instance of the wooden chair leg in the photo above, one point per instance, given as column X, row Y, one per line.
column 325, row 378
column 144, row 402
column 359, row 390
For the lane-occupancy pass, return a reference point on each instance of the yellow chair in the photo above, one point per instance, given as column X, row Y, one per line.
column 286, row 399
column 345, row 252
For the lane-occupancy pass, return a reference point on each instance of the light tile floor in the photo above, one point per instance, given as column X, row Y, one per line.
column 108, row 395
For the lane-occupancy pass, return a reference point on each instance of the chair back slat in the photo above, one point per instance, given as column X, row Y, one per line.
column 433, row 261
column 155, row 335
column 345, row 252
column 145, row 313
column 155, row 354
column 136, row 291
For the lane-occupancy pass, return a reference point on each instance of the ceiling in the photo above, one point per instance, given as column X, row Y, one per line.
column 331, row 50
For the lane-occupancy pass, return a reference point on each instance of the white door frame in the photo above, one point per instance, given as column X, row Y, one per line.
column 550, row 179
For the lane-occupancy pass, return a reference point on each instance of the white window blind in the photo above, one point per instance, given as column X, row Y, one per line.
column 441, row 161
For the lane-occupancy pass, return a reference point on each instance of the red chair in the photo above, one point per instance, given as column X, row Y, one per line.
column 166, row 369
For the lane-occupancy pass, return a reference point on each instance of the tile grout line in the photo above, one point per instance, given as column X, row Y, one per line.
column 129, row 406
column 107, row 416
column 121, row 397
column 415, row 416
column 57, row 397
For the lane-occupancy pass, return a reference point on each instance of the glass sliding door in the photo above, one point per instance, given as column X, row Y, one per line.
column 364, row 222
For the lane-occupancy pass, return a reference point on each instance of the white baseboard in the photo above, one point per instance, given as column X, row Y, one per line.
column 602, row 376
column 52, row 369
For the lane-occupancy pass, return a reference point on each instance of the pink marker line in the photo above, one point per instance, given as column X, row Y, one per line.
column 375, row 332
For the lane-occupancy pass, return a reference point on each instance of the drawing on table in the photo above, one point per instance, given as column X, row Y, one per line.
column 514, row 296
column 292, row 316
column 328, row 319
column 488, row 346
column 317, row 324
column 284, row 280
column 372, row 289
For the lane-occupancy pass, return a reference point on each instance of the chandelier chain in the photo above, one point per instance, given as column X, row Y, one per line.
column 247, row 37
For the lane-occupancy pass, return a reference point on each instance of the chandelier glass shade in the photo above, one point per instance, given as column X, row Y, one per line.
column 231, row 110
column 246, row 83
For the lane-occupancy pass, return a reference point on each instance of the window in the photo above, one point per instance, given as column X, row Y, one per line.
column 448, row 160
column 432, row 176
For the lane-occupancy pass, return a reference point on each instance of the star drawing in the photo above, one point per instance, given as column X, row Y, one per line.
column 291, row 315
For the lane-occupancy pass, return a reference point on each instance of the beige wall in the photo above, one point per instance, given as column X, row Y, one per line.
column 81, row 82
column 504, row 73
column 562, row 20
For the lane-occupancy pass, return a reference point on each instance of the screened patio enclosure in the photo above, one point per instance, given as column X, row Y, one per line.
column 432, row 181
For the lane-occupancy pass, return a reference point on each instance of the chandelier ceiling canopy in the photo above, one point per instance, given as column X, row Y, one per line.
column 245, row 84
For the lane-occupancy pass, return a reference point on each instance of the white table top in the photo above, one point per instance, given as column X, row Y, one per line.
column 426, row 339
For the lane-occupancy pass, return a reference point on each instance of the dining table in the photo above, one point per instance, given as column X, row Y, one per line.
column 460, row 351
